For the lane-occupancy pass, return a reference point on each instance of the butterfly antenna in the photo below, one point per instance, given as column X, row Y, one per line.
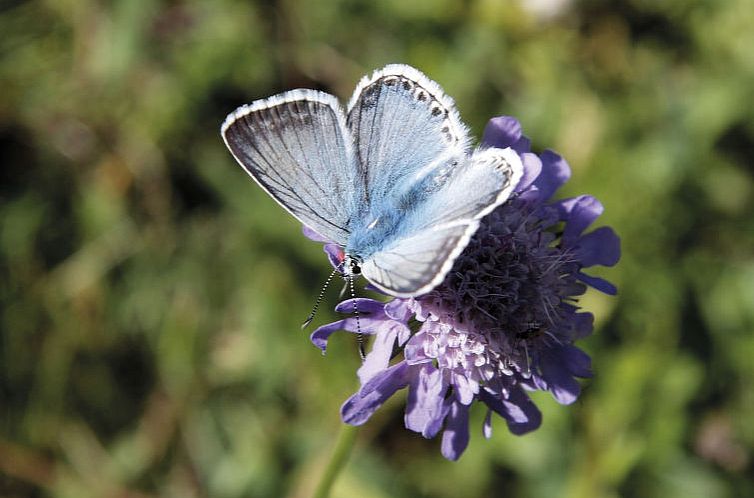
column 319, row 298
column 359, row 335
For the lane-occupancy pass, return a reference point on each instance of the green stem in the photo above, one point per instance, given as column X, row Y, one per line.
column 338, row 460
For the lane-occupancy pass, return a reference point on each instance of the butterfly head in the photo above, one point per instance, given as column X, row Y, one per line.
column 351, row 265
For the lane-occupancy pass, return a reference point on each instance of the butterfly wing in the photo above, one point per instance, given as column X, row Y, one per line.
column 401, row 122
column 297, row 147
column 448, row 207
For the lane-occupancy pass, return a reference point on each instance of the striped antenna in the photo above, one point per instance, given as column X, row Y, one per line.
column 359, row 334
column 320, row 297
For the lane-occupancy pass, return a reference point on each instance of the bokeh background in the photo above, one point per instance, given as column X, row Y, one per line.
column 151, row 295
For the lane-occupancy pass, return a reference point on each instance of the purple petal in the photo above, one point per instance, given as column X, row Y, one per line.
column 576, row 361
column 312, row 235
column 334, row 253
column 560, row 382
column 398, row 309
column 600, row 284
column 414, row 349
column 455, row 438
column 502, row 407
column 371, row 321
column 364, row 305
column 536, row 383
column 555, row 172
column 465, row 388
column 379, row 356
column 523, row 145
column 598, row 247
column 533, row 415
column 578, row 213
column 358, row 408
column 487, row 426
column 531, row 194
column 320, row 336
column 532, row 169
column 426, row 396
column 518, row 410
column 501, row 132
column 368, row 326
column 583, row 324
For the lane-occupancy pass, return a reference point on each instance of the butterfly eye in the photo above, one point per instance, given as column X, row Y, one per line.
column 355, row 268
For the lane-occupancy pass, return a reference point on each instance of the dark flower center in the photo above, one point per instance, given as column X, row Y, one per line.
column 511, row 283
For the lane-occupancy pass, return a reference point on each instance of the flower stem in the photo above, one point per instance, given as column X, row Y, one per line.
column 338, row 460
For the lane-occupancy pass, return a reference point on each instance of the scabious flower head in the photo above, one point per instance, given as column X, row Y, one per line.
column 502, row 323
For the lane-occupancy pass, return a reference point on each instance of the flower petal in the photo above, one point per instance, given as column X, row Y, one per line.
column 364, row 305
column 600, row 284
column 334, row 253
column 426, row 396
column 533, row 415
column 310, row 234
column 322, row 334
column 487, row 426
column 532, row 169
column 578, row 213
column 358, row 408
column 398, row 309
column 414, row 350
column 501, row 132
column 583, row 324
column 560, row 382
column 523, row 145
column 598, row 247
column 379, row 356
column 455, row 437
column 465, row 388
column 555, row 172
column 371, row 321
column 577, row 361
column 518, row 410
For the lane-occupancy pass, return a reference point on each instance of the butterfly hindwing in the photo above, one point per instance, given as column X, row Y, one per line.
column 407, row 269
column 469, row 190
column 449, row 205
column 297, row 147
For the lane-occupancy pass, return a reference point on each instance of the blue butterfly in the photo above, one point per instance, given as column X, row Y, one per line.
column 392, row 181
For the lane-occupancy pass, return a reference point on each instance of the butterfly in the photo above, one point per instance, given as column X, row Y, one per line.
column 392, row 180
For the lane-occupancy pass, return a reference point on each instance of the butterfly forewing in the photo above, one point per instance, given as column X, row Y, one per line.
column 297, row 147
column 401, row 121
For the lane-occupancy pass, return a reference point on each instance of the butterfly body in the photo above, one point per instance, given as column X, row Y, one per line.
column 391, row 217
column 392, row 181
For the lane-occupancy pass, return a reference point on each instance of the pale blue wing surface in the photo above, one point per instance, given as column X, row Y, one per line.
column 467, row 191
column 409, row 268
column 446, row 207
column 401, row 121
column 297, row 147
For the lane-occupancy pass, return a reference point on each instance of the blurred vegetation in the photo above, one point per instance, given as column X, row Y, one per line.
column 151, row 295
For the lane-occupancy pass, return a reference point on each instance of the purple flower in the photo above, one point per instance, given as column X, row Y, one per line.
column 504, row 320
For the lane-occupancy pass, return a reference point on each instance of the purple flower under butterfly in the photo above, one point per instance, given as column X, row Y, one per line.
column 502, row 323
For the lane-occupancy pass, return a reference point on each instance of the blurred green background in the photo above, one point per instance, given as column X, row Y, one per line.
column 151, row 294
